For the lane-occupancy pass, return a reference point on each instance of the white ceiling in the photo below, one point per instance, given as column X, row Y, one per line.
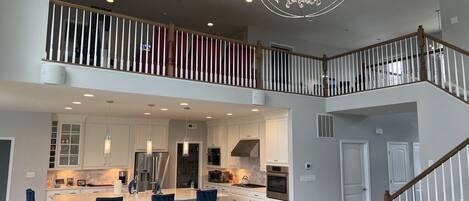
column 354, row 24
column 53, row 99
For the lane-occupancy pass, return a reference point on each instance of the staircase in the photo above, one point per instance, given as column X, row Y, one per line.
column 445, row 180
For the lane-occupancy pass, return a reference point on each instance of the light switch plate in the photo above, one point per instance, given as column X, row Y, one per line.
column 454, row 20
column 30, row 174
column 307, row 178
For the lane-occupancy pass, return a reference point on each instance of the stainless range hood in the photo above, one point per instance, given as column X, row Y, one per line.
column 246, row 148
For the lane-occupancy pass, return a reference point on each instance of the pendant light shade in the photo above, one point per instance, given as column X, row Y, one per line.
column 149, row 146
column 185, row 148
column 107, row 145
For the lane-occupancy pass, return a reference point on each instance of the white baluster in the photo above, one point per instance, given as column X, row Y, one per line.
column 164, row 51
column 206, row 59
column 450, row 85
column 186, row 73
column 129, row 35
column 122, row 44
column 429, row 69
column 176, row 66
column 463, row 77
column 461, row 188
column 152, row 50
column 74, row 36
column 158, row 71
column 428, row 188
column 192, row 57
column 197, row 58
column 146, row 49
column 51, row 47
column 95, row 58
column 140, row 62
column 103, row 61
column 417, row 61
column 229, row 62
column 59, row 46
column 225, row 59
column 443, row 181
column 88, row 55
column 67, row 34
column 407, row 61
column 109, row 42
column 451, row 178
column 456, row 73
column 135, row 47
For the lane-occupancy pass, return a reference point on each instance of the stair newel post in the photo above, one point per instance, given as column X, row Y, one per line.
column 171, row 34
column 259, row 66
column 422, row 56
column 387, row 196
column 325, row 77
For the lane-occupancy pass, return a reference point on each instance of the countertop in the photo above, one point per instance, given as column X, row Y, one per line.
column 230, row 185
column 64, row 188
column 181, row 194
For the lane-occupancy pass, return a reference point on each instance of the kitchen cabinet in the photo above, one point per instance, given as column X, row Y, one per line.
column 69, row 148
column 94, row 156
column 233, row 139
column 51, row 193
column 216, row 136
column 276, row 140
column 157, row 133
column 249, row 131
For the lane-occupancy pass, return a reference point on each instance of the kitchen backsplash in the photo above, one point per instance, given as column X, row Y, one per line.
column 96, row 177
column 249, row 167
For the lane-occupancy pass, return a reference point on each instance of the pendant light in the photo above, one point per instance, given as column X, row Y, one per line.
column 107, row 139
column 149, row 140
column 185, row 145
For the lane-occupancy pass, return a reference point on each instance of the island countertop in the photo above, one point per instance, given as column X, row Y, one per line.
column 181, row 194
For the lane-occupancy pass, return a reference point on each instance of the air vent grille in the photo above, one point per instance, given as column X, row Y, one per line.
column 325, row 126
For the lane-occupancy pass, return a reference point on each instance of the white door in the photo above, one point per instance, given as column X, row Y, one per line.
column 355, row 171
column 417, row 167
column 398, row 165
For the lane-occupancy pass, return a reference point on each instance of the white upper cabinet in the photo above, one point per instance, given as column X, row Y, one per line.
column 249, row 131
column 157, row 133
column 120, row 146
column 216, row 136
column 276, row 140
column 94, row 156
column 70, row 145
column 95, row 135
column 233, row 139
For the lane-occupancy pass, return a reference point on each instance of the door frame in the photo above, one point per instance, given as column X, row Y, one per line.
column 10, row 166
column 200, row 161
column 408, row 173
column 366, row 158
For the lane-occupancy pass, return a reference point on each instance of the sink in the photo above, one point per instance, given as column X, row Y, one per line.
column 249, row 185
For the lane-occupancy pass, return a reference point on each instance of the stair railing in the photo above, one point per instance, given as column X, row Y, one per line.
column 446, row 179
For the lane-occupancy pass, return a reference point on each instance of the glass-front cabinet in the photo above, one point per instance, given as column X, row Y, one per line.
column 69, row 145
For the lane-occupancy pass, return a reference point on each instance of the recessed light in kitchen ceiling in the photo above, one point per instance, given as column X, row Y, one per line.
column 76, row 102
column 88, row 95
column 68, row 108
column 210, row 24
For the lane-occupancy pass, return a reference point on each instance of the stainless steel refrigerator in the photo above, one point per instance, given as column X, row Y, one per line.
column 150, row 168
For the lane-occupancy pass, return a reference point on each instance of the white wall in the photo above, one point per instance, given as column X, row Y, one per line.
column 177, row 133
column 400, row 127
column 455, row 33
column 32, row 133
column 442, row 119
column 22, row 43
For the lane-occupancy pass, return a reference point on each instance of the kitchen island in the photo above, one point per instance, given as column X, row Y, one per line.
column 181, row 194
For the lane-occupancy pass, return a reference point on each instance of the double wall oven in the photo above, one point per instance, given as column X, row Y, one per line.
column 277, row 182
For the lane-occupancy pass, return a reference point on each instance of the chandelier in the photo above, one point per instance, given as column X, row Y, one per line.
column 297, row 9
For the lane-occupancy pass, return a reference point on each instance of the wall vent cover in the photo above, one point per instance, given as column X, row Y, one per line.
column 325, row 126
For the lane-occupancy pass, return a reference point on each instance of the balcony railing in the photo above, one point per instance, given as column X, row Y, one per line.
column 94, row 38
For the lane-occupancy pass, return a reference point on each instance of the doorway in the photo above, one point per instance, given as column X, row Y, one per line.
column 398, row 165
column 355, row 171
column 6, row 164
column 188, row 168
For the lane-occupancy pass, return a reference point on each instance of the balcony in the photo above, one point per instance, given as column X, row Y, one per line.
column 94, row 38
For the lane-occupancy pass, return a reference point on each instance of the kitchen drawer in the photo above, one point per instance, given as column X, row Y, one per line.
column 97, row 190
column 49, row 194
column 248, row 193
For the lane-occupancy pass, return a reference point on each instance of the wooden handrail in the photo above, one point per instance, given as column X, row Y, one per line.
column 454, row 47
column 213, row 36
column 293, row 53
column 375, row 45
column 103, row 12
column 430, row 169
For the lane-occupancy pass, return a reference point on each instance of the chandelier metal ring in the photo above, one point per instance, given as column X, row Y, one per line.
column 274, row 6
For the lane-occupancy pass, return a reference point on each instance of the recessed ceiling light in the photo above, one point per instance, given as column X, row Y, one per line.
column 229, row 114
column 249, row 1
column 164, row 109
column 183, row 104
column 210, row 24
column 208, row 117
column 67, row 108
column 76, row 102
column 110, row 1
column 147, row 113
column 88, row 95
column 255, row 110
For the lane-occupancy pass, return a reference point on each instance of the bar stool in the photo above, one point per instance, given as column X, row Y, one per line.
column 208, row 195
column 30, row 195
column 168, row 197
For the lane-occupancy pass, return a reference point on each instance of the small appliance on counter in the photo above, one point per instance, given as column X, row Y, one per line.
column 217, row 176
column 81, row 182
column 123, row 177
column 59, row 183
column 70, row 181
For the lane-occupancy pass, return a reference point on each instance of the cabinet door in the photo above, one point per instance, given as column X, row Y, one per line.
column 233, row 139
column 95, row 135
column 271, row 140
column 70, row 145
column 211, row 137
column 282, row 137
column 142, row 134
column 160, row 137
column 216, row 136
column 119, row 156
column 249, row 131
